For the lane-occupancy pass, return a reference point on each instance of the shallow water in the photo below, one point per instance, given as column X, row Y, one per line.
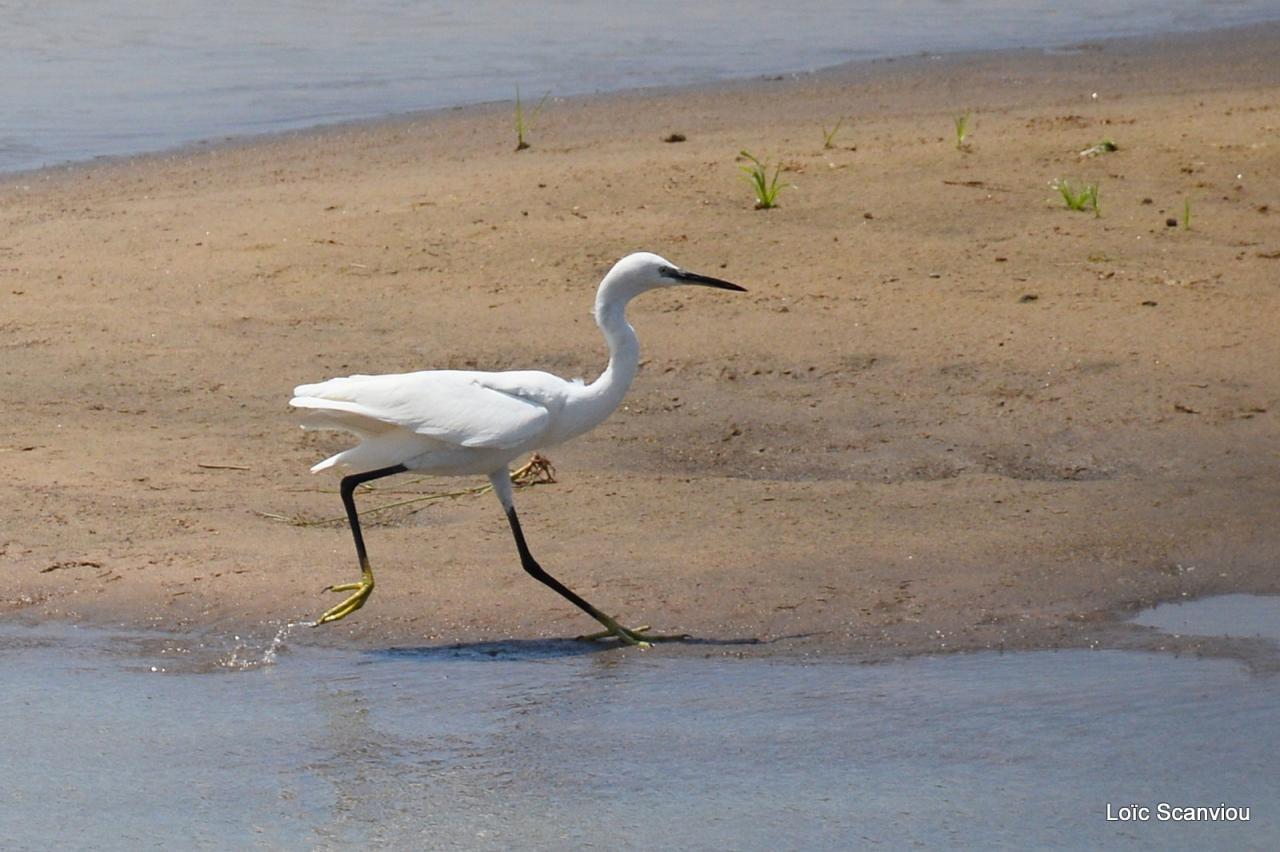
column 133, row 740
column 101, row 77
column 1236, row 616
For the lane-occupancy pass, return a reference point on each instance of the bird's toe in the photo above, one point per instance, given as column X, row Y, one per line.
column 359, row 594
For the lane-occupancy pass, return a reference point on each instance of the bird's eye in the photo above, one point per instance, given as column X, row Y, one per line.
column 668, row 271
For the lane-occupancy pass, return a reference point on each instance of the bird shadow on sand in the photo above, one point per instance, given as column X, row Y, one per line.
column 515, row 650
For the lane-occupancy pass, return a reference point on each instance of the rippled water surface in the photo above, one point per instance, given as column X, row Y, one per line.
column 137, row 740
column 100, row 77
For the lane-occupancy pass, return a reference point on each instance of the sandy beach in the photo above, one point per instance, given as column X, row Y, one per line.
column 950, row 413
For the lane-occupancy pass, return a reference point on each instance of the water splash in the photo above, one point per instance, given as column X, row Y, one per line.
column 248, row 655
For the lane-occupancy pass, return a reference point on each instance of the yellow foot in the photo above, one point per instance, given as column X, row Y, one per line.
column 360, row 593
column 640, row 637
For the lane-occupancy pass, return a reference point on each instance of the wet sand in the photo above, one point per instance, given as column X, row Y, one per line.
column 949, row 414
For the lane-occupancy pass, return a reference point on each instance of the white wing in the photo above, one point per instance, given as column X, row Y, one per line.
column 498, row 410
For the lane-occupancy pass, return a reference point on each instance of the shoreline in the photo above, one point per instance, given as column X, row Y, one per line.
column 1156, row 43
column 944, row 418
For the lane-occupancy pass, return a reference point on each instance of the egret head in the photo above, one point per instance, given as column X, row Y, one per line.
column 643, row 271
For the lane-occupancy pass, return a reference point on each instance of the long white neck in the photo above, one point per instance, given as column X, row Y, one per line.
column 624, row 352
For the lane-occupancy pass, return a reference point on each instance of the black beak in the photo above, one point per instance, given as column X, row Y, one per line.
column 705, row 280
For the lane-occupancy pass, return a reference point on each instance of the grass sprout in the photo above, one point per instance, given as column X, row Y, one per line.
column 829, row 136
column 962, row 129
column 523, row 124
column 1083, row 196
column 1186, row 214
column 766, row 188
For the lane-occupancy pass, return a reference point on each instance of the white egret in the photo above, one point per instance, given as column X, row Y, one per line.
column 456, row 422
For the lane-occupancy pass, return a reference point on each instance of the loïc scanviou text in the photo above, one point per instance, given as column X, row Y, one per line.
column 1168, row 812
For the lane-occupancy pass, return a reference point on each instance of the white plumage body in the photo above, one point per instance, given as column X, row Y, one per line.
column 458, row 422
column 451, row 422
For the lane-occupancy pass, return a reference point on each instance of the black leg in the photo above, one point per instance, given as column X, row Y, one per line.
column 612, row 627
column 359, row 591
column 348, row 490
column 535, row 570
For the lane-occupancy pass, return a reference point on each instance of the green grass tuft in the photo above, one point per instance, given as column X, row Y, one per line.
column 962, row 130
column 829, row 136
column 523, row 125
column 1079, row 197
column 765, row 187
column 1186, row 214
